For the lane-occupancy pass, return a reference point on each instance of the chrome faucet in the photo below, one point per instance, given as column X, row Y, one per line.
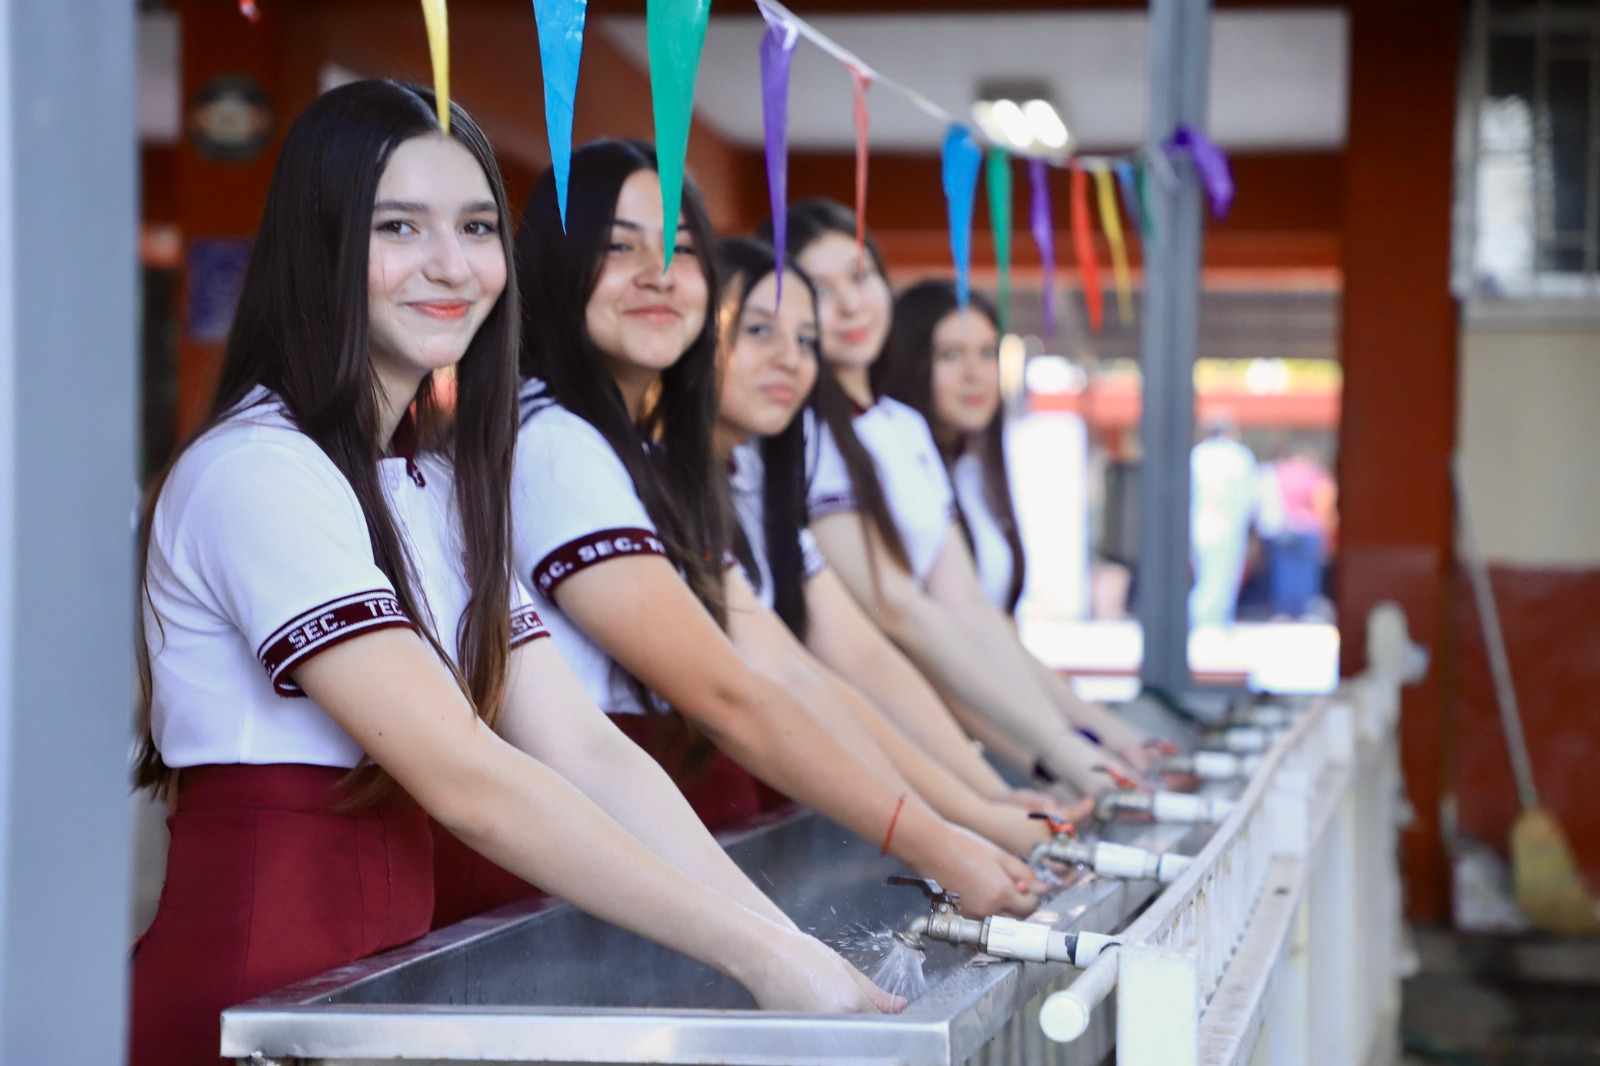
column 1004, row 938
column 1104, row 858
column 1213, row 765
column 1179, row 808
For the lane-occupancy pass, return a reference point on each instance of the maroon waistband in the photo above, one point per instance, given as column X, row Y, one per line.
column 272, row 786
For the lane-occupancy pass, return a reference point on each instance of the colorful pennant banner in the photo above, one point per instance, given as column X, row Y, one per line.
column 560, row 25
column 960, row 159
column 1044, row 238
column 438, row 20
column 999, row 193
column 777, row 52
column 1111, row 223
column 675, row 31
column 1083, row 248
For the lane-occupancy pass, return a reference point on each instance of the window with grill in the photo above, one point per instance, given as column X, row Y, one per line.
column 1528, row 206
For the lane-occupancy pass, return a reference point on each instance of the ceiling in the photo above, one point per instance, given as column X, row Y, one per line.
column 1279, row 78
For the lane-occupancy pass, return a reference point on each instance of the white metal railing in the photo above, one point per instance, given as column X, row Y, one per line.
column 1295, row 901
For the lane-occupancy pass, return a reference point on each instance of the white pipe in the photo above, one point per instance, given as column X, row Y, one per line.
column 1065, row 1015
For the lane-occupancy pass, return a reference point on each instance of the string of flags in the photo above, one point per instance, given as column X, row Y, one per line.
column 676, row 31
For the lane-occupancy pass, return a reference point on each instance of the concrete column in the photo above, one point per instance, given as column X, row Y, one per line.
column 68, row 257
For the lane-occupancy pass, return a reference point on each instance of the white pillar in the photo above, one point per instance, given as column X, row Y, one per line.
column 68, row 353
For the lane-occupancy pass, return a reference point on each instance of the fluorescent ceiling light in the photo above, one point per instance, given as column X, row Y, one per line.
column 1013, row 123
column 1045, row 125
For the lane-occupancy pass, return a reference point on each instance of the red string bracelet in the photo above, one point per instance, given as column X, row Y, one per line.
column 898, row 807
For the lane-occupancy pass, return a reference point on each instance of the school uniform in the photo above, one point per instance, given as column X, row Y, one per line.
column 990, row 549
column 747, row 480
column 915, row 484
column 260, row 560
column 575, row 507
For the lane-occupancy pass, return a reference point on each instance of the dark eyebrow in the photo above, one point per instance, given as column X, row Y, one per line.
column 413, row 207
column 636, row 228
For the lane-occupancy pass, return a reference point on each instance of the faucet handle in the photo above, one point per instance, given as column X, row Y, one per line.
column 1120, row 779
column 930, row 888
column 1057, row 826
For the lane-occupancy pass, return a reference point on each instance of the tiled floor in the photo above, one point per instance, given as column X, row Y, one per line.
column 1488, row 1002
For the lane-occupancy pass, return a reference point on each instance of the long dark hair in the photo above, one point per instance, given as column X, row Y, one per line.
column 676, row 480
column 743, row 262
column 301, row 330
column 905, row 371
column 810, row 220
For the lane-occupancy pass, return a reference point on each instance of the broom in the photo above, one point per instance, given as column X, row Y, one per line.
column 1548, row 887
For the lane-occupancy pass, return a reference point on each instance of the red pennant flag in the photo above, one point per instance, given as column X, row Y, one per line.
column 860, row 82
column 1083, row 248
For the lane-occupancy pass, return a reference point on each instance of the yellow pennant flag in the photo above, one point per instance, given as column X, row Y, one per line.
column 1112, row 224
column 439, row 46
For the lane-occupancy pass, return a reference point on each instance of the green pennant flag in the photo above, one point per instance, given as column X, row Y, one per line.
column 999, row 192
column 676, row 30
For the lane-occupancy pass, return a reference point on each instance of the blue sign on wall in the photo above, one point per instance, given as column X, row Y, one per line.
column 216, row 276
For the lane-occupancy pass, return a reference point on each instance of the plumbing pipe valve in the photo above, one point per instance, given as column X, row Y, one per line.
column 1242, row 739
column 1179, row 808
column 1213, row 765
column 1113, row 860
column 1004, row 938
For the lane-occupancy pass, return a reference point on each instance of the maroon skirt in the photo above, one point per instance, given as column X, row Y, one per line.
column 719, row 790
column 266, row 886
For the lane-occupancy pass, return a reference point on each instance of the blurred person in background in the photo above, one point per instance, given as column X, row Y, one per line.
column 1306, row 520
column 1222, row 496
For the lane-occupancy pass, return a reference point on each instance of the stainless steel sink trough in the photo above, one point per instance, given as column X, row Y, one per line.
column 542, row 982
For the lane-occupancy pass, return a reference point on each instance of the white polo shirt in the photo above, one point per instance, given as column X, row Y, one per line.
column 574, row 506
column 259, row 560
column 990, row 550
column 747, row 485
column 913, row 476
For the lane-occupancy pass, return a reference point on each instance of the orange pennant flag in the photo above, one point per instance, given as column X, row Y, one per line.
column 1083, row 248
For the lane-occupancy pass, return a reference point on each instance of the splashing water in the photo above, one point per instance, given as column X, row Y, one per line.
column 888, row 961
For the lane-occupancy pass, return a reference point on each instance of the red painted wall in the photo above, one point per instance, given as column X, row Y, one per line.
column 1399, row 351
column 1551, row 619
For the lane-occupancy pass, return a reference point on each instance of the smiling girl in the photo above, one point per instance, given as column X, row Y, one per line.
column 331, row 630
column 620, row 527
column 882, row 509
column 944, row 363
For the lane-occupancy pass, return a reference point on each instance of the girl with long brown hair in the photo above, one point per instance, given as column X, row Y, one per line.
column 620, row 528
column 331, row 630
column 882, row 509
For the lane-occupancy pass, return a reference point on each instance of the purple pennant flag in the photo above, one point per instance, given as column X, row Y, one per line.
column 961, row 158
column 777, row 52
column 1044, row 237
column 1210, row 163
